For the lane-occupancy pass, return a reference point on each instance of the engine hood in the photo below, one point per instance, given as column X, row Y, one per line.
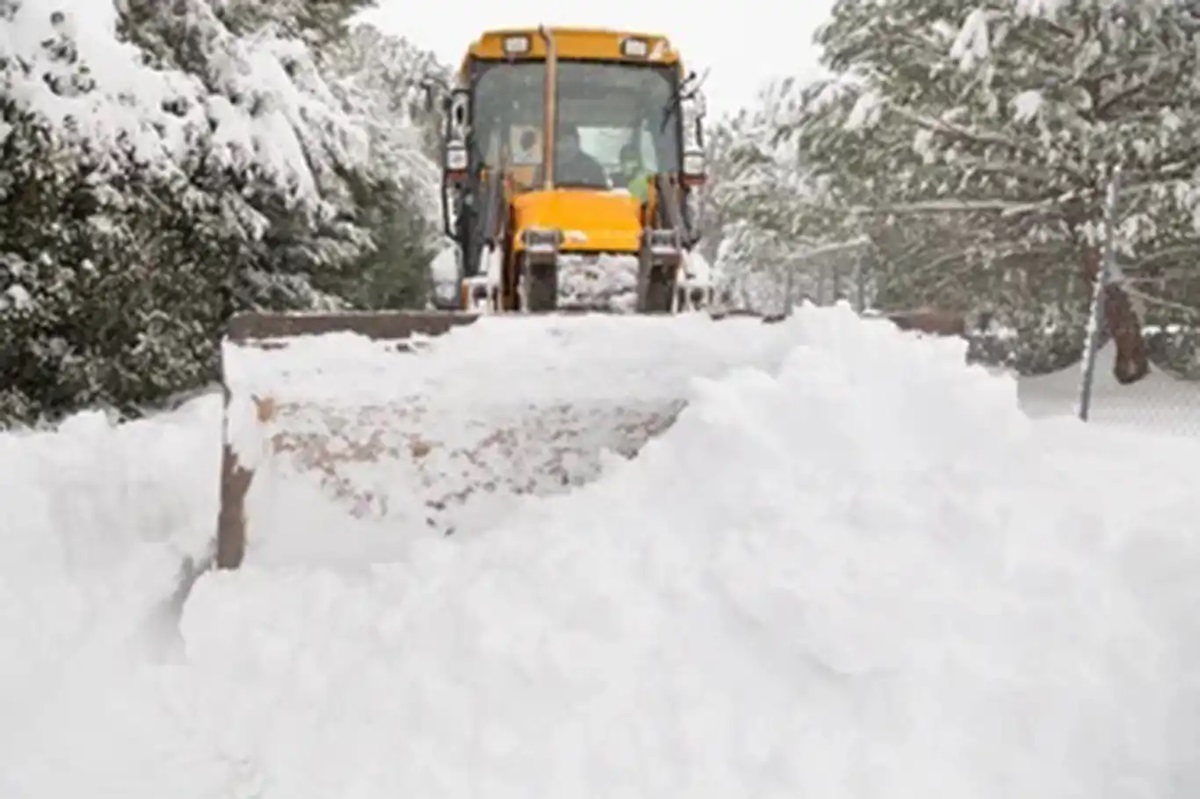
column 591, row 220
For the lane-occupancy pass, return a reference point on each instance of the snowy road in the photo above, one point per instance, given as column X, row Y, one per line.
column 863, row 573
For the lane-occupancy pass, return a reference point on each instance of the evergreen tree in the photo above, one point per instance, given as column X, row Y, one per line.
column 768, row 224
column 379, row 79
column 1014, row 116
column 164, row 166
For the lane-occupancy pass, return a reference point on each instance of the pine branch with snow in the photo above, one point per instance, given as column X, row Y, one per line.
column 166, row 166
column 1017, row 112
column 767, row 222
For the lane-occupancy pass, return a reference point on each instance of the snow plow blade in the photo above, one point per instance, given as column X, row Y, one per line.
column 344, row 431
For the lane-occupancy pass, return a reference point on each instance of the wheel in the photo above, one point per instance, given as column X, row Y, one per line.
column 658, row 290
column 541, row 287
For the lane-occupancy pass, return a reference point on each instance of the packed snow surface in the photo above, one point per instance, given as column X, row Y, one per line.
column 860, row 571
column 1159, row 401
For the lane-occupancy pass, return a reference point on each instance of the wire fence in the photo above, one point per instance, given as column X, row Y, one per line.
column 1167, row 398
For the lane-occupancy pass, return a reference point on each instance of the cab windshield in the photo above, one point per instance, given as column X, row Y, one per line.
column 612, row 119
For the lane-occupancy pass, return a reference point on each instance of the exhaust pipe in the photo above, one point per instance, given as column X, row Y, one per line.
column 551, row 97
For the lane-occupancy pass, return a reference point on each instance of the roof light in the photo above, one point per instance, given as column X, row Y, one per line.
column 635, row 48
column 516, row 45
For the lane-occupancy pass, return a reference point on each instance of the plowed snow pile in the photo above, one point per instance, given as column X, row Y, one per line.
column 865, row 575
column 95, row 526
column 449, row 437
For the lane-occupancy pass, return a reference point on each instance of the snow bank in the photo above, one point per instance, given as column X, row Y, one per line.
column 858, row 572
column 443, row 269
column 98, row 522
column 867, row 575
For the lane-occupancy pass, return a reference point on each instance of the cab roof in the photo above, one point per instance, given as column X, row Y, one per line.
column 598, row 44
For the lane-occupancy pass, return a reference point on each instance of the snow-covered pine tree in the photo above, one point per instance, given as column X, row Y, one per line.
column 162, row 167
column 379, row 80
column 94, row 310
column 317, row 23
column 770, row 230
column 278, row 127
column 1015, row 115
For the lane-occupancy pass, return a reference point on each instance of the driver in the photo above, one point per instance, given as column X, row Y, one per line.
column 636, row 176
column 572, row 166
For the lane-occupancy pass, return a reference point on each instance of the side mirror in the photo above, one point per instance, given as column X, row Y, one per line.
column 437, row 91
column 435, row 88
column 459, row 111
column 694, row 112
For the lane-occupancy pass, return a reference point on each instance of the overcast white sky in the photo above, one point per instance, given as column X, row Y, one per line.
column 744, row 44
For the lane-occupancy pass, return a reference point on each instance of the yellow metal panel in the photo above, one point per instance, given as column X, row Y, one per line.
column 591, row 221
column 523, row 176
column 581, row 43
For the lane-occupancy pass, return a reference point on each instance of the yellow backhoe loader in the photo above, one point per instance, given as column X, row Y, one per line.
column 572, row 159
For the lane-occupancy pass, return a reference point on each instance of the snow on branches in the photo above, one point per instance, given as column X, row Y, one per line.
column 1013, row 114
column 255, row 100
column 773, row 240
column 168, row 164
column 998, row 104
